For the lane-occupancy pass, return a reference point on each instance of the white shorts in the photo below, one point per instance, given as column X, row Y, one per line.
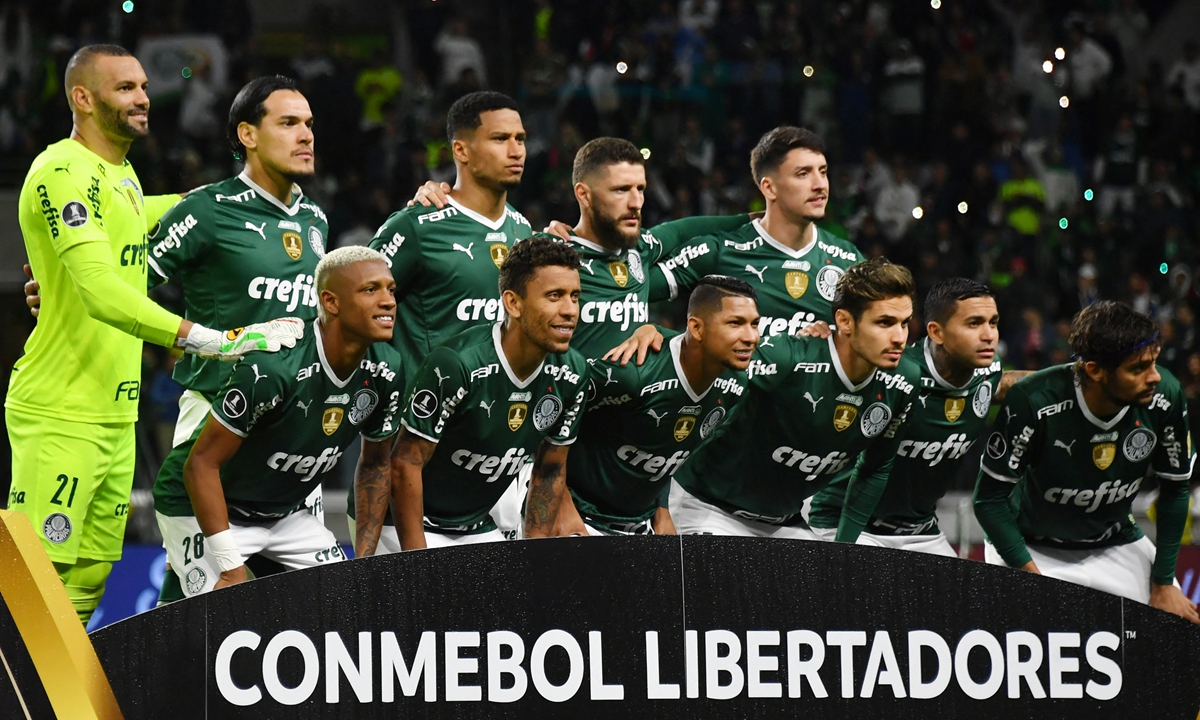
column 296, row 541
column 436, row 539
column 389, row 539
column 1119, row 570
column 506, row 513
column 693, row 516
column 932, row 544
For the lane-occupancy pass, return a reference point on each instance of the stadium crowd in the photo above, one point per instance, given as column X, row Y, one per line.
column 950, row 146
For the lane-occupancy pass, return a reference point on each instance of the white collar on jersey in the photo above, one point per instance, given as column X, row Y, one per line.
column 596, row 247
column 676, row 345
column 933, row 369
column 297, row 195
column 841, row 372
column 780, row 246
column 493, row 224
column 512, row 376
column 1087, row 413
column 333, row 378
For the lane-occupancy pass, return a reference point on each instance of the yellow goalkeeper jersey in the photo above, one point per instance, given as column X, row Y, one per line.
column 77, row 212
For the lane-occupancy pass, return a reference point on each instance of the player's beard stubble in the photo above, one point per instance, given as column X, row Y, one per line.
column 114, row 121
column 610, row 233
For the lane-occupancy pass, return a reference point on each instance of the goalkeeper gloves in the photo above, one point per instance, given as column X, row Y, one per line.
column 230, row 345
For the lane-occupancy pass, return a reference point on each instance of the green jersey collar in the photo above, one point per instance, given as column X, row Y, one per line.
column 512, row 376
column 333, row 378
column 1087, row 413
column 491, row 224
column 676, row 344
column 780, row 246
column 594, row 247
column 841, row 372
column 297, row 195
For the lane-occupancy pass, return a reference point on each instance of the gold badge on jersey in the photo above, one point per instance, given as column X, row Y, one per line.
column 796, row 283
column 1104, row 454
column 292, row 244
column 620, row 272
column 331, row 420
column 499, row 251
column 954, row 408
column 516, row 415
column 683, row 428
column 843, row 416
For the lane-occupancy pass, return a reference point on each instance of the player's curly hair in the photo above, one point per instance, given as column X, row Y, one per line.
column 1108, row 333
column 248, row 107
column 527, row 256
column 774, row 146
column 941, row 302
column 871, row 281
column 602, row 152
column 463, row 115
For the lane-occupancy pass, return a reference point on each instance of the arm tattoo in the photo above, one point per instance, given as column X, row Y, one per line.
column 372, row 483
column 413, row 450
column 541, row 507
column 1007, row 380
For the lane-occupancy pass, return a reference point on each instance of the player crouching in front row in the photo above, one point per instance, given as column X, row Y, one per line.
column 280, row 425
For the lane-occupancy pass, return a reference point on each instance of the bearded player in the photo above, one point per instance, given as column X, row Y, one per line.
column 280, row 425
column 960, row 379
column 1069, row 452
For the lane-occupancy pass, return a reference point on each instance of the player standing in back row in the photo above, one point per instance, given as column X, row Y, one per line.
column 1069, row 452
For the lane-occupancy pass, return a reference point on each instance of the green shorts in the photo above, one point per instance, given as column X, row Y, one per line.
column 72, row 480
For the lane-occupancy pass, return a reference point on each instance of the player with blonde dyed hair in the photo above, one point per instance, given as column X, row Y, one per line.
column 280, row 425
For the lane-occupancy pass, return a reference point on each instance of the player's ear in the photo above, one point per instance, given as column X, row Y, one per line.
column 459, row 148
column 583, row 195
column 767, row 187
column 329, row 302
column 1095, row 373
column 695, row 327
column 934, row 330
column 844, row 321
column 247, row 135
column 81, row 99
column 513, row 304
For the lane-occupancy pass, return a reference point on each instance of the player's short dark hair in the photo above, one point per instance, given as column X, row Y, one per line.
column 772, row 148
column 706, row 299
column 528, row 255
column 1109, row 332
column 941, row 302
column 249, row 106
column 600, row 153
column 869, row 282
column 84, row 55
column 464, row 114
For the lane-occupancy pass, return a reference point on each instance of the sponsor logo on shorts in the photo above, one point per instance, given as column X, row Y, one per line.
column 194, row 580
column 234, row 403
column 57, row 528
column 74, row 214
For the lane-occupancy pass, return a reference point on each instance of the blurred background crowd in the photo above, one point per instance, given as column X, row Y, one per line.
column 1046, row 148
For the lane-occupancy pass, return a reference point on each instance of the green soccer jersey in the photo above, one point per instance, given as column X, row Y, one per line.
column 486, row 422
column 297, row 418
column 942, row 426
column 641, row 424
column 801, row 422
column 243, row 257
column 447, row 269
column 1077, row 475
column 76, row 367
column 795, row 287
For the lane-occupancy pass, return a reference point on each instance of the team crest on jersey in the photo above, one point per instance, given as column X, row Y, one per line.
column 620, row 272
column 292, row 244
column 1138, row 445
column 982, row 402
column 843, row 416
column 234, row 403
column 516, row 415
column 711, row 421
column 498, row 251
column 74, row 214
column 683, row 427
column 134, row 193
column 364, row 404
column 331, row 419
column 1104, row 454
column 424, row 402
column 955, row 407
column 796, row 283
column 316, row 241
column 876, row 418
column 827, row 280
column 195, row 580
column 996, row 447
column 57, row 528
column 546, row 412
column 635, row 266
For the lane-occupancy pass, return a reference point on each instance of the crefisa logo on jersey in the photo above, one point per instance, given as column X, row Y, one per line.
column 1138, row 445
column 331, row 419
column 875, row 419
column 516, row 415
column 57, row 528
column 982, row 402
column 954, row 408
column 364, row 404
column 546, row 412
column 711, row 421
column 827, row 280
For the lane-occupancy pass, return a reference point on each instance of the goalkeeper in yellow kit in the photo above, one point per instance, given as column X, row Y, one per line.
column 73, row 397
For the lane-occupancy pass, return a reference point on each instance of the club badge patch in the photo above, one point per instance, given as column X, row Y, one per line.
column 620, row 272
column 57, row 528
column 364, row 404
column 292, row 244
column 1104, row 454
column 316, row 241
column 683, row 427
column 827, row 280
column 954, row 408
column 635, row 266
column 996, row 446
column 843, row 416
column 74, row 214
column 875, row 419
column 424, row 402
column 516, row 415
column 982, row 402
column 195, row 580
column 546, row 412
column 711, row 422
column 1138, row 445
column 331, row 419
column 234, row 403
column 498, row 251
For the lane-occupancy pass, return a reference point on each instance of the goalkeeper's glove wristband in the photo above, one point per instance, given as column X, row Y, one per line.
column 230, row 345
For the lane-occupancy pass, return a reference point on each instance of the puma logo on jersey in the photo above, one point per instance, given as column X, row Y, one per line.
column 608, row 377
column 657, row 418
column 813, row 465
column 437, row 371
column 260, row 229
column 766, row 341
column 490, row 465
column 1007, row 414
column 922, row 398
column 1065, row 446
column 257, row 375
column 487, row 406
column 809, row 397
column 587, row 265
column 466, row 249
column 1114, row 491
column 660, row 465
column 757, row 273
column 304, row 406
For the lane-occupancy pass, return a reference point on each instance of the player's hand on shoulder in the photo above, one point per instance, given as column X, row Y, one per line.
column 1172, row 599
column 32, row 298
column 230, row 345
column 231, row 577
column 818, row 329
column 559, row 228
column 644, row 339
column 431, row 193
